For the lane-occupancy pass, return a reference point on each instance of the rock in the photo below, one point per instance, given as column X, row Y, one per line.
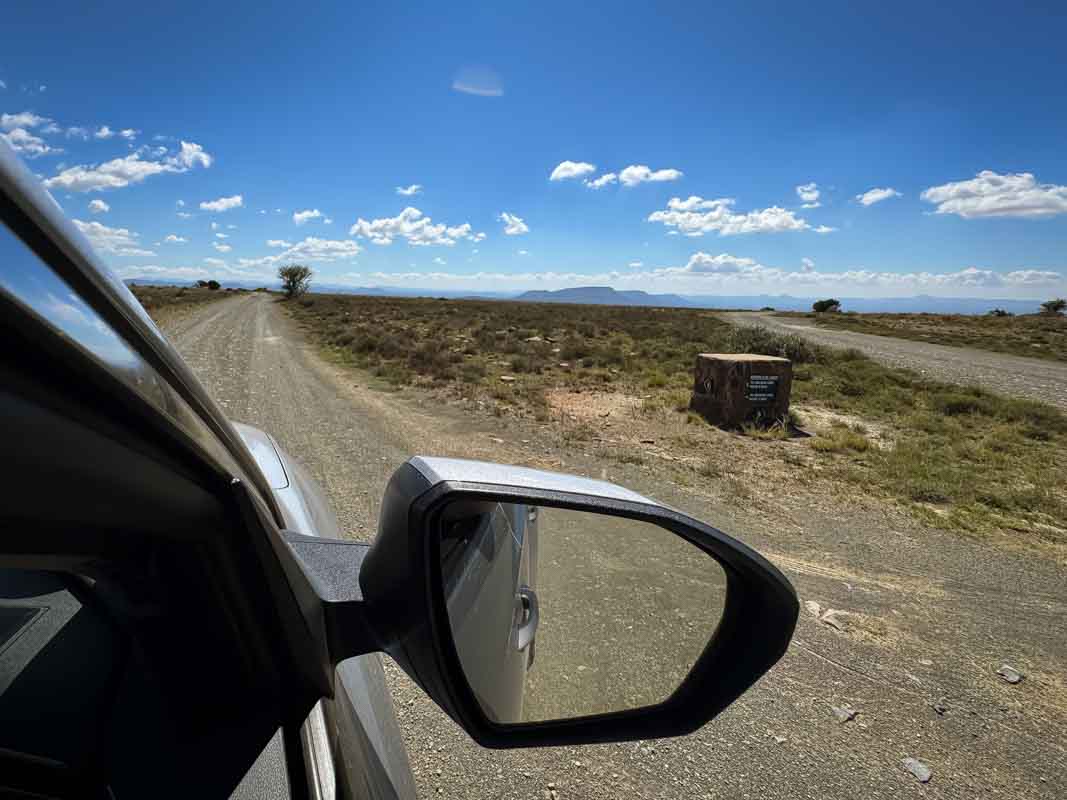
column 1010, row 674
column 832, row 617
column 496, row 440
column 926, row 662
column 813, row 608
column 556, row 350
column 940, row 707
column 648, row 441
column 535, row 339
column 564, row 365
column 844, row 713
column 918, row 769
column 779, row 740
column 507, row 378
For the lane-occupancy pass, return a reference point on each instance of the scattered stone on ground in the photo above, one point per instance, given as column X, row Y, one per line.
column 941, row 707
column 1010, row 674
column 813, row 608
column 844, row 713
column 507, row 378
column 832, row 617
column 918, row 769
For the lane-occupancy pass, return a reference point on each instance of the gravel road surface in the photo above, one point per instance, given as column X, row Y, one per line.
column 1033, row 378
column 928, row 617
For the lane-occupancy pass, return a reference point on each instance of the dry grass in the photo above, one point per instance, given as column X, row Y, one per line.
column 1035, row 335
column 162, row 301
column 623, row 375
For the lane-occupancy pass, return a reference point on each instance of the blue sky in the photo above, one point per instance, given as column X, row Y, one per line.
column 714, row 150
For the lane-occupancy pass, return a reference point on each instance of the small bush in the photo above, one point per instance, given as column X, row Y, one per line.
column 1054, row 307
column 761, row 341
column 829, row 305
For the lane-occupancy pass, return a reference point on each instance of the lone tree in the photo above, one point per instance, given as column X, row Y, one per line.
column 823, row 306
column 1055, row 306
column 295, row 280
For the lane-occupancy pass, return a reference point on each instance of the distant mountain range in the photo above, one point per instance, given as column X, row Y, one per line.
column 605, row 295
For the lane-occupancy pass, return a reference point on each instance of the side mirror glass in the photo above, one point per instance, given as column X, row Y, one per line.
column 558, row 613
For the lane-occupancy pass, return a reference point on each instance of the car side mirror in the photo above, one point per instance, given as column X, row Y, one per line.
column 543, row 609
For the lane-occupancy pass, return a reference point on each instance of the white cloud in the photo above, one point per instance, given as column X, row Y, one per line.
column 571, row 169
column 639, row 173
column 408, row 191
column 103, row 132
column 636, row 264
column 98, row 207
column 222, row 248
column 278, row 243
column 480, row 81
column 824, row 229
column 876, row 195
column 315, row 249
column 439, row 260
column 747, row 273
column 310, row 249
column 23, row 119
column 115, row 241
column 993, row 195
column 513, row 225
column 523, row 252
column 129, row 134
column 696, row 216
column 215, row 262
column 184, row 214
column 223, row 203
column 120, row 172
column 190, row 155
column 231, row 227
column 300, row 217
column 602, row 181
column 809, row 195
column 180, row 204
column 3, row 85
column 77, row 132
column 173, row 238
column 327, row 220
column 222, row 236
column 416, row 228
column 150, row 272
column 22, row 141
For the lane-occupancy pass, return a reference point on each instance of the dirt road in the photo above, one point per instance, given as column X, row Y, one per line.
column 930, row 616
column 1033, row 378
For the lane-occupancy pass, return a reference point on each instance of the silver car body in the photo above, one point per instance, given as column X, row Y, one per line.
column 352, row 744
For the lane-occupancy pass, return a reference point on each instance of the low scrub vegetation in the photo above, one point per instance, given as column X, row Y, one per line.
column 160, row 301
column 963, row 457
column 1035, row 335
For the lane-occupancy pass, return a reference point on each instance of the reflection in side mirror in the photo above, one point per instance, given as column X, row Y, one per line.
column 557, row 613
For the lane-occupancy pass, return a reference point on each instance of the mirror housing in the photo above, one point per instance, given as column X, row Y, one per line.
column 402, row 606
